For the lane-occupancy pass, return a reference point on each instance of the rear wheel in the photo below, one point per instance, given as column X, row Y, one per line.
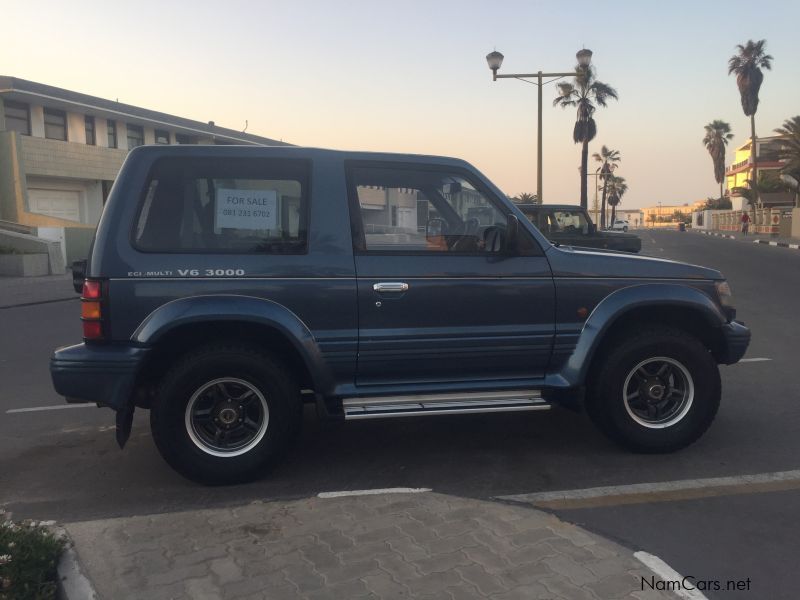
column 224, row 412
column 657, row 390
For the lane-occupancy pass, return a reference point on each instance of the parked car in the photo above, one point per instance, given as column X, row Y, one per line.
column 569, row 225
column 227, row 286
column 619, row 225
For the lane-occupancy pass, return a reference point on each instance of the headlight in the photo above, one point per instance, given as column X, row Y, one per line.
column 724, row 293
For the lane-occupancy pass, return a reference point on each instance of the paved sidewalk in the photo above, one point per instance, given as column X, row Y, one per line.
column 420, row 546
column 752, row 238
column 15, row 291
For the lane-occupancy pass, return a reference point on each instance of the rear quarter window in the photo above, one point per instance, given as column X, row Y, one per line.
column 224, row 205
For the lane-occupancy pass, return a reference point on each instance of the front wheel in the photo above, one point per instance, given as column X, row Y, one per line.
column 657, row 391
column 224, row 412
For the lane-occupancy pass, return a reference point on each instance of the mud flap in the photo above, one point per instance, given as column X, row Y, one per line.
column 124, row 423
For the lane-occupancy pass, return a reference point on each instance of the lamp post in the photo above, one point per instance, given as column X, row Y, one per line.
column 596, row 206
column 495, row 60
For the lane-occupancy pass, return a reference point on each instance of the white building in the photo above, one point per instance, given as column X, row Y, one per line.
column 60, row 151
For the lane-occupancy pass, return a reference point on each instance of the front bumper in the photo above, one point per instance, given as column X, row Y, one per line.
column 737, row 338
column 102, row 374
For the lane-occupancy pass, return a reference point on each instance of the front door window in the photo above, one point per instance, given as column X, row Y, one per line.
column 409, row 211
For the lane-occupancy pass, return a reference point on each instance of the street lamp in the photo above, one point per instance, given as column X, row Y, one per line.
column 584, row 57
column 596, row 175
column 495, row 60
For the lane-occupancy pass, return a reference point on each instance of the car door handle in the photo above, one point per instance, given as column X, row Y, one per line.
column 396, row 287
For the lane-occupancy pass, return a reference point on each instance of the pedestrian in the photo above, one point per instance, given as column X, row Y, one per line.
column 745, row 223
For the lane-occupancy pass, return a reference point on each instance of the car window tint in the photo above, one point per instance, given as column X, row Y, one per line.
column 568, row 221
column 407, row 210
column 250, row 206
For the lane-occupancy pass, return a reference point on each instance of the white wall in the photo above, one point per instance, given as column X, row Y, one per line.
column 122, row 135
column 37, row 120
column 101, row 132
column 91, row 194
column 739, row 203
column 76, row 128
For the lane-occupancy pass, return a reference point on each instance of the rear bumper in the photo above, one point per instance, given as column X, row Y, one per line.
column 102, row 374
column 737, row 338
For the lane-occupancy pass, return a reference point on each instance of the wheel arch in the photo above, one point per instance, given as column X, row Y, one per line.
column 181, row 325
column 672, row 305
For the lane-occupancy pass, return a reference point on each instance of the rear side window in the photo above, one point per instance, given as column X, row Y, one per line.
column 225, row 205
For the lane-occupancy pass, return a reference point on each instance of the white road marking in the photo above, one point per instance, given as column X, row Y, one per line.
column 741, row 360
column 399, row 490
column 668, row 574
column 55, row 407
column 649, row 492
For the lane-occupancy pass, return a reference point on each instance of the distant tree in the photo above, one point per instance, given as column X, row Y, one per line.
column 585, row 93
column 617, row 189
column 718, row 134
column 718, row 204
column 747, row 64
column 608, row 159
column 790, row 152
column 526, row 198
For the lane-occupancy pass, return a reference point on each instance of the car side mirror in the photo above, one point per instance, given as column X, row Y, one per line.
column 512, row 234
column 592, row 229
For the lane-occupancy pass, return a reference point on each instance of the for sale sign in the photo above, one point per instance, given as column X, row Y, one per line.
column 246, row 209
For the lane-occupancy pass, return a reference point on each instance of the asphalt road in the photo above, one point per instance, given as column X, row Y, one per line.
column 65, row 465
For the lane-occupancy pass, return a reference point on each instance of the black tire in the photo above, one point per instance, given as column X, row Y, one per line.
column 686, row 416
column 187, row 446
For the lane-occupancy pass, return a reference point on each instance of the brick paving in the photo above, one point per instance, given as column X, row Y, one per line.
column 420, row 546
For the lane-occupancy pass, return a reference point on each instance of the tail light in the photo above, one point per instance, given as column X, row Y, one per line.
column 93, row 308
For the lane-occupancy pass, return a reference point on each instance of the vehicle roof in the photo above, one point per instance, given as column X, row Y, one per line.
column 156, row 151
column 558, row 206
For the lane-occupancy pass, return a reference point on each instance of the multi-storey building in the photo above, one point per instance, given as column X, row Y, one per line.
column 740, row 173
column 60, row 151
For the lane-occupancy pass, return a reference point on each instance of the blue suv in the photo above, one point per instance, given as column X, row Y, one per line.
column 228, row 286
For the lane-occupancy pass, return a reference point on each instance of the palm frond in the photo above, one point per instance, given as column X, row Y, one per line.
column 602, row 92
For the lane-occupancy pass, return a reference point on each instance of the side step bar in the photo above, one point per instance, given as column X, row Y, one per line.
column 442, row 404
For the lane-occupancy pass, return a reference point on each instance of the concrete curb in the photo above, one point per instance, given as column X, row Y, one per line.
column 72, row 583
column 756, row 241
column 781, row 244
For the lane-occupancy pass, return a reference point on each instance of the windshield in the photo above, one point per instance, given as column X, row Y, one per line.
column 564, row 221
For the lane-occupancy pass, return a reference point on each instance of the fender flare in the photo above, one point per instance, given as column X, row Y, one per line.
column 230, row 307
column 618, row 303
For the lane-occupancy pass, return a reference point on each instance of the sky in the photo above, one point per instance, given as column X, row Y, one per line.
column 411, row 76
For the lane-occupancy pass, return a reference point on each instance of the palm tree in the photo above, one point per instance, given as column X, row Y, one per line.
column 526, row 198
column 747, row 65
column 609, row 159
column 617, row 188
column 718, row 134
column 585, row 93
column 790, row 151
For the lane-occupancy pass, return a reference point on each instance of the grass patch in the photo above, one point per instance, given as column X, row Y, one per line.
column 29, row 555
